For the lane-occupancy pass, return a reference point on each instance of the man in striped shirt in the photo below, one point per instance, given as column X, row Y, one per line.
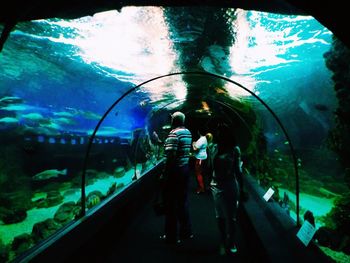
column 176, row 179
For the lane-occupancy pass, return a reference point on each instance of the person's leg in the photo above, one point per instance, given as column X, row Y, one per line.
column 198, row 171
column 223, row 236
column 185, row 230
column 231, row 237
column 170, row 224
column 231, row 207
column 220, row 218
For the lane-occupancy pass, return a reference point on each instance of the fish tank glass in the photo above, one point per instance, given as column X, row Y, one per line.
column 85, row 104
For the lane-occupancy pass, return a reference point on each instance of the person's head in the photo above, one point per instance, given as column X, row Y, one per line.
column 225, row 138
column 201, row 131
column 209, row 137
column 177, row 119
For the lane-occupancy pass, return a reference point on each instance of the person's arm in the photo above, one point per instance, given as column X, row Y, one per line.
column 170, row 149
column 239, row 173
column 194, row 146
column 199, row 144
column 238, row 167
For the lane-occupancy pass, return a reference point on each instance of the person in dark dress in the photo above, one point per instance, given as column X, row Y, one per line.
column 225, row 187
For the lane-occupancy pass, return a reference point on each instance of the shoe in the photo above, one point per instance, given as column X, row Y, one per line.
column 200, row 191
column 186, row 237
column 232, row 250
column 222, row 250
column 169, row 240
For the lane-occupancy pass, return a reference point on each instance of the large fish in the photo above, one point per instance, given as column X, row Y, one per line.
column 47, row 174
column 10, row 100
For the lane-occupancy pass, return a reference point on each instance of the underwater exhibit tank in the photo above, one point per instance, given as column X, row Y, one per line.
column 277, row 80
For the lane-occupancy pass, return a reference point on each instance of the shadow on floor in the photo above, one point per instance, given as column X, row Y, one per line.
column 139, row 241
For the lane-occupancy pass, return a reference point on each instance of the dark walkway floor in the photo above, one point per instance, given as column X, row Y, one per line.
column 140, row 242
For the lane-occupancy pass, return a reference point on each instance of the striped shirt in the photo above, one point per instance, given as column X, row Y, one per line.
column 179, row 140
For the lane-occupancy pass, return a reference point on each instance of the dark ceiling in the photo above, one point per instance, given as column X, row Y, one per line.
column 332, row 14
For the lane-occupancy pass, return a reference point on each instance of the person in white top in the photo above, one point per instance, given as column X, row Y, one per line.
column 200, row 153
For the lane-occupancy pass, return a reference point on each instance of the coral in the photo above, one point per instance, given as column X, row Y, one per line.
column 22, row 243
column 15, row 188
column 66, row 213
column 44, row 229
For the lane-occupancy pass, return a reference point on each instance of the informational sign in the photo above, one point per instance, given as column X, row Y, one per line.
column 268, row 194
column 306, row 232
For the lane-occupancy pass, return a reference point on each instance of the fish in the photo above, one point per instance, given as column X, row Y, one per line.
column 90, row 115
column 33, row 116
column 8, row 123
column 64, row 121
column 10, row 100
column 8, row 120
column 321, row 107
column 328, row 193
column 15, row 107
column 47, row 174
column 64, row 114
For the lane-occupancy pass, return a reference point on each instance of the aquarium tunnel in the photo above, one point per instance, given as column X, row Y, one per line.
column 86, row 97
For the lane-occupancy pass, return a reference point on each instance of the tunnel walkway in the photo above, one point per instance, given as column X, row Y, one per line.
column 139, row 240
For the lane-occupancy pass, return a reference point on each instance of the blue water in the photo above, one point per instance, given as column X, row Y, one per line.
column 80, row 67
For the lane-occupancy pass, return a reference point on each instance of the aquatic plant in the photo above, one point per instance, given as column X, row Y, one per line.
column 4, row 252
column 337, row 60
column 340, row 214
column 255, row 157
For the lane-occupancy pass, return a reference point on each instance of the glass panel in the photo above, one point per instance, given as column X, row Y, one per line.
column 59, row 76
column 133, row 132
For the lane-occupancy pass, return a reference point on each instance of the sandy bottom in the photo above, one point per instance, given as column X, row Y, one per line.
column 35, row 215
column 319, row 206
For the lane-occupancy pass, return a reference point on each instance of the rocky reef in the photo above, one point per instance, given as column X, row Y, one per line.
column 337, row 60
column 338, row 221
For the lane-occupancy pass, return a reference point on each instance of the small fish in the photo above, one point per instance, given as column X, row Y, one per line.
column 64, row 114
column 90, row 115
column 47, row 174
column 64, row 121
column 165, row 127
column 143, row 103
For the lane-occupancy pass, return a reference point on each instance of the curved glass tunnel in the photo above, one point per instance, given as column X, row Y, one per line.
column 60, row 77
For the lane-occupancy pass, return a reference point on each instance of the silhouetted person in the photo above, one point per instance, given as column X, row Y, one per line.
column 211, row 150
column 176, row 179
column 157, row 142
column 200, row 153
column 225, row 187
column 140, row 148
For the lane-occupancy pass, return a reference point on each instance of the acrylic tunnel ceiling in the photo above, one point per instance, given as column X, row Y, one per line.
column 68, row 72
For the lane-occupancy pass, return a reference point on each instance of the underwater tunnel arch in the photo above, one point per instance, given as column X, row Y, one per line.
column 135, row 88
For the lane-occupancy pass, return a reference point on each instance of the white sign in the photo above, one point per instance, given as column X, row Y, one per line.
column 268, row 194
column 306, row 232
